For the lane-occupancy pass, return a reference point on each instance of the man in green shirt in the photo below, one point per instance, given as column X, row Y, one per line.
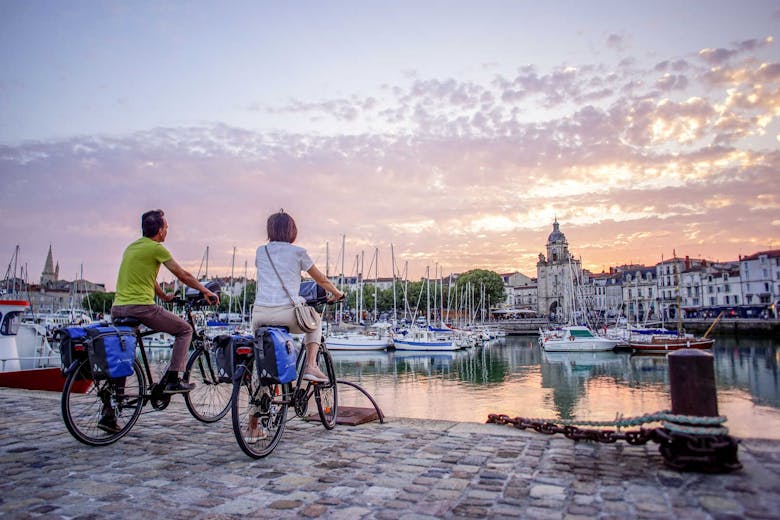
column 136, row 287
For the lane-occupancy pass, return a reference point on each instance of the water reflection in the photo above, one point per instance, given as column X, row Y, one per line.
column 516, row 377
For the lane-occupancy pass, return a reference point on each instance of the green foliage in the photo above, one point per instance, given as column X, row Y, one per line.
column 98, row 302
column 250, row 289
column 478, row 278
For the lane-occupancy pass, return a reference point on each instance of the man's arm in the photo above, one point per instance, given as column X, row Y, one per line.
column 186, row 278
column 161, row 294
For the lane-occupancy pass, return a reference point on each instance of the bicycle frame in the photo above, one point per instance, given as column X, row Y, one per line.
column 150, row 382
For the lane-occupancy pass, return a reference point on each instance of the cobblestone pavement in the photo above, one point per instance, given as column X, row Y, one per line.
column 171, row 466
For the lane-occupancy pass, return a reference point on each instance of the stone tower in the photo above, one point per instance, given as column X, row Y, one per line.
column 50, row 273
column 555, row 275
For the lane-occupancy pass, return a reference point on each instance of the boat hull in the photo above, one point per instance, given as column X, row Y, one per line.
column 663, row 346
column 354, row 345
column 579, row 346
column 49, row 379
column 424, row 345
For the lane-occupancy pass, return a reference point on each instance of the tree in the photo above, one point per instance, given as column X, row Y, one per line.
column 98, row 302
column 479, row 278
column 250, row 290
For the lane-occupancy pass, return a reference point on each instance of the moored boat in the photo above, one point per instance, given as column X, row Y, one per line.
column 357, row 341
column 26, row 357
column 418, row 338
column 663, row 343
column 575, row 338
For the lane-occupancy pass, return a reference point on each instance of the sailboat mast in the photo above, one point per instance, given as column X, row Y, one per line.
column 392, row 261
column 232, row 272
column 246, row 283
column 428, row 295
column 376, row 281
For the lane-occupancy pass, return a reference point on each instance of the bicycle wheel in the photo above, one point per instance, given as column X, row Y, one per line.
column 85, row 402
column 209, row 401
column 326, row 394
column 258, row 413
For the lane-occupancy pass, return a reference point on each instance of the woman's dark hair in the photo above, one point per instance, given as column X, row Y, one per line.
column 281, row 228
column 152, row 222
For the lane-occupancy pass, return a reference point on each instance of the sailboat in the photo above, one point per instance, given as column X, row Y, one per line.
column 666, row 341
column 574, row 337
column 425, row 337
column 376, row 337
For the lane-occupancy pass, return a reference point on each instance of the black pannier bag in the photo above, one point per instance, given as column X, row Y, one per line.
column 312, row 293
column 72, row 343
column 275, row 355
column 111, row 351
column 225, row 348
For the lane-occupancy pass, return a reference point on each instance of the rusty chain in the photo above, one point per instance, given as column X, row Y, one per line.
column 681, row 448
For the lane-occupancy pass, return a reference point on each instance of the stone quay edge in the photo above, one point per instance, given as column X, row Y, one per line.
column 171, row 466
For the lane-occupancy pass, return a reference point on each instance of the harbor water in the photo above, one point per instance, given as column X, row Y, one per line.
column 514, row 376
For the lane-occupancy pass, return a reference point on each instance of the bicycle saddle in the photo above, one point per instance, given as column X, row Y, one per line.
column 127, row 321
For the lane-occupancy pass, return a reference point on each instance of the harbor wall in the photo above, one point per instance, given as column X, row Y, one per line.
column 725, row 326
column 733, row 326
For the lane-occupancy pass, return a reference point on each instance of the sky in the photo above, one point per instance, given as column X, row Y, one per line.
column 446, row 135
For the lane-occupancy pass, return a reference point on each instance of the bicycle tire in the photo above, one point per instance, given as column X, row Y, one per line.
column 209, row 401
column 82, row 410
column 265, row 405
column 326, row 394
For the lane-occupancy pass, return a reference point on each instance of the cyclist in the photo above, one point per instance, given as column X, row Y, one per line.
column 272, row 305
column 136, row 288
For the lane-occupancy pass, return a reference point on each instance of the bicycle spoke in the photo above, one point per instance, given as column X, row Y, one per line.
column 209, row 401
column 258, row 414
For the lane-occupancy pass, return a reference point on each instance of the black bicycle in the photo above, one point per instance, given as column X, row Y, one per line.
column 260, row 411
column 85, row 400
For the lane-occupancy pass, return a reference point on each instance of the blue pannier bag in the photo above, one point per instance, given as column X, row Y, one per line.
column 275, row 355
column 111, row 351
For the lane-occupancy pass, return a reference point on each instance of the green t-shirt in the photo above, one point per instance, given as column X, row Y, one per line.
column 138, row 272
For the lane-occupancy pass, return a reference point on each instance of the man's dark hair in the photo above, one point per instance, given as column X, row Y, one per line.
column 152, row 222
column 281, row 228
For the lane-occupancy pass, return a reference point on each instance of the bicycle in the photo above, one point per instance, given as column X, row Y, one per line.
column 259, row 411
column 84, row 404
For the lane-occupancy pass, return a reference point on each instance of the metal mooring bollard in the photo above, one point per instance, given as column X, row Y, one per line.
column 695, row 442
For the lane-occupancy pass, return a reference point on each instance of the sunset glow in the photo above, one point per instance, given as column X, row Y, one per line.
column 456, row 132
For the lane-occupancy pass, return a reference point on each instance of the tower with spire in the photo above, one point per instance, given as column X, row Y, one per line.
column 50, row 273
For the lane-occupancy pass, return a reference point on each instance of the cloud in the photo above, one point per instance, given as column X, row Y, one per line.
column 720, row 56
column 617, row 42
column 632, row 161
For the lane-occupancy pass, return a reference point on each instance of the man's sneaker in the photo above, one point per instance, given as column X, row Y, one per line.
column 108, row 424
column 178, row 387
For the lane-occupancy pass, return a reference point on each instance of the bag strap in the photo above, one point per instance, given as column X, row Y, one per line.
column 278, row 276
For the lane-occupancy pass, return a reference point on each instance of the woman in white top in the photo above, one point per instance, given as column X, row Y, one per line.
column 272, row 303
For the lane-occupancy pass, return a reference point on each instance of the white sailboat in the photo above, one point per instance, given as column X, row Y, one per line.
column 418, row 337
column 376, row 337
column 573, row 337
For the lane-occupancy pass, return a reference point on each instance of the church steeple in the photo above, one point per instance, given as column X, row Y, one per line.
column 50, row 273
